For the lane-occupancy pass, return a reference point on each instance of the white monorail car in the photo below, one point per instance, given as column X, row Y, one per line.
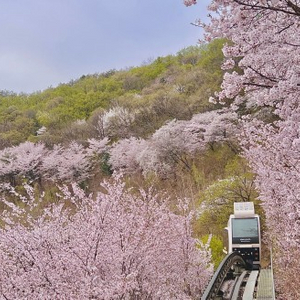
column 244, row 233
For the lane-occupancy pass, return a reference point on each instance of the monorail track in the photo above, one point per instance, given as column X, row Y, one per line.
column 232, row 281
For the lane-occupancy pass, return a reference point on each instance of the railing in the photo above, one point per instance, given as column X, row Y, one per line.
column 215, row 284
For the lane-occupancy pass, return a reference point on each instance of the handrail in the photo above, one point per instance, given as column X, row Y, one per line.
column 216, row 282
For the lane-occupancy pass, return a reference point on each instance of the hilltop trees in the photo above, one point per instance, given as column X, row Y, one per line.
column 175, row 86
column 173, row 143
column 113, row 245
column 264, row 44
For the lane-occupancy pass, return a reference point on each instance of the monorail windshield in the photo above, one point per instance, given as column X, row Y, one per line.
column 245, row 231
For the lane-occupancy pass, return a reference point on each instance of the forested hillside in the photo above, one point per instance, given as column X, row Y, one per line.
column 176, row 86
column 154, row 120
column 152, row 123
column 112, row 164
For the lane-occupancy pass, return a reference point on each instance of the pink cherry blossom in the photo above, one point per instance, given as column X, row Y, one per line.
column 111, row 245
column 263, row 37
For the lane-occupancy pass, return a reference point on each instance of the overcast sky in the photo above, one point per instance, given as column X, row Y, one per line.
column 47, row 42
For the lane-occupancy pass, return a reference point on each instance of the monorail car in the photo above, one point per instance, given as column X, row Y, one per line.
column 244, row 233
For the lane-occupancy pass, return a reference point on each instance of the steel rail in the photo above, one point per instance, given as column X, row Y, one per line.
column 238, row 285
column 215, row 283
column 250, row 285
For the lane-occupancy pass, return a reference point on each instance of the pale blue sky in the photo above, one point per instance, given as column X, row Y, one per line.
column 47, row 42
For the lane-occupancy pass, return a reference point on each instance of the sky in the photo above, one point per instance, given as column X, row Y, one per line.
column 47, row 42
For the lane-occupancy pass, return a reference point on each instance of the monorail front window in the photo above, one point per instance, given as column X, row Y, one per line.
column 245, row 231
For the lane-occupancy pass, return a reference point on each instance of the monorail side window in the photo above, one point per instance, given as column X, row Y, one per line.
column 245, row 231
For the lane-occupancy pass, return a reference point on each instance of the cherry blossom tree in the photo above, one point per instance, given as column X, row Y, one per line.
column 68, row 164
column 98, row 146
column 274, row 155
column 217, row 126
column 23, row 160
column 173, row 143
column 189, row 137
column 117, row 122
column 262, row 33
column 112, row 245
column 34, row 161
column 124, row 154
column 151, row 161
column 263, row 71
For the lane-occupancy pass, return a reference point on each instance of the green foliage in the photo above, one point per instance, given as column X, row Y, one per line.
column 104, row 165
column 175, row 86
column 212, row 57
column 221, row 177
column 210, row 166
column 216, row 246
column 139, row 77
column 190, row 55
